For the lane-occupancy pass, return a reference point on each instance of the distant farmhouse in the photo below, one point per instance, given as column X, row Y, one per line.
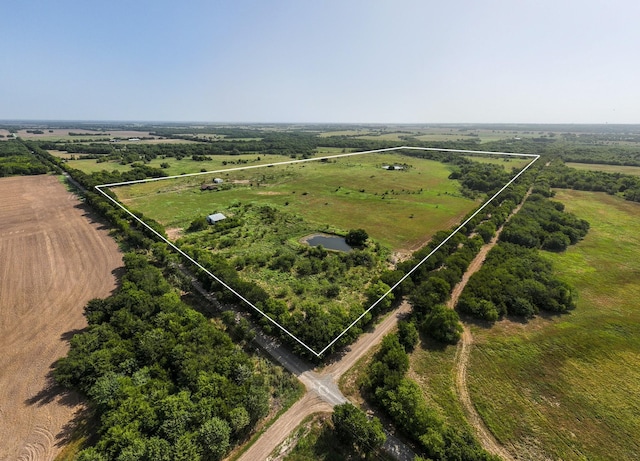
column 392, row 167
column 216, row 217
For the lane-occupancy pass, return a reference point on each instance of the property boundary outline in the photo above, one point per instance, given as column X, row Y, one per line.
column 99, row 188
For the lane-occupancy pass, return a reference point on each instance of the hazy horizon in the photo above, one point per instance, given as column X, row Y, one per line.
column 353, row 62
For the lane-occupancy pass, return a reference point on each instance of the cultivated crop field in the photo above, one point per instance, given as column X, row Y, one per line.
column 55, row 258
column 567, row 387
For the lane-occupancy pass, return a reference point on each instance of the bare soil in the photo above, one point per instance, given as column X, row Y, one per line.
column 55, row 258
column 284, row 425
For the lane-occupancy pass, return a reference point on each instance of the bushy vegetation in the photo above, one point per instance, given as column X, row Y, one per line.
column 165, row 382
column 542, row 223
column 402, row 400
column 312, row 292
column 611, row 155
column 515, row 280
column 570, row 379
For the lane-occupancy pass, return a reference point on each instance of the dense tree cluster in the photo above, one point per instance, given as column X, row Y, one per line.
column 17, row 159
column 402, row 400
column 166, row 383
column 136, row 173
column 611, row 155
column 542, row 223
column 515, row 280
column 480, row 177
column 430, row 284
column 626, row 186
column 354, row 429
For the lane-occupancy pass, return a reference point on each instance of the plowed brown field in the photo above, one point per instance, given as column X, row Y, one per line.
column 54, row 257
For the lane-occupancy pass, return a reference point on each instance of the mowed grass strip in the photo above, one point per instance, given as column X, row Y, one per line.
column 567, row 387
column 400, row 209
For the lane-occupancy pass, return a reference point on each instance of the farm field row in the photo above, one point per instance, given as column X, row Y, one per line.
column 566, row 387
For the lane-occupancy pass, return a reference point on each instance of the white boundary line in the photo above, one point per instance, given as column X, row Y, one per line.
column 315, row 159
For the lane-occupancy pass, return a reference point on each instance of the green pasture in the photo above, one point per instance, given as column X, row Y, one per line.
column 185, row 165
column 432, row 368
column 400, row 209
column 508, row 163
column 631, row 170
column 567, row 387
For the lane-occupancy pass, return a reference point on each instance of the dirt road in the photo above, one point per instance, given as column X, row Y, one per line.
column 487, row 440
column 322, row 389
column 54, row 258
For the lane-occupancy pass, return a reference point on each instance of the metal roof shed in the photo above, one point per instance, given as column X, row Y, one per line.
column 214, row 218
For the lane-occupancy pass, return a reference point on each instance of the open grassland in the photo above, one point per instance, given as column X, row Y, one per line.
column 432, row 367
column 183, row 166
column 508, row 163
column 55, row 258
column 567, row 387
column 400, row 209
column 631, row 170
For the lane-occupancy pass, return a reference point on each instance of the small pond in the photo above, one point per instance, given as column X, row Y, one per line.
column 330, row 242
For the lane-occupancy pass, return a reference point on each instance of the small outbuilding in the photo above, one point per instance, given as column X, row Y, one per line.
column 216, row 217
column 218, row 180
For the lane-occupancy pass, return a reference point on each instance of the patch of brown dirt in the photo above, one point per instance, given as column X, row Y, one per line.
column 174, row 233
column 55, row 258
column 284, row 425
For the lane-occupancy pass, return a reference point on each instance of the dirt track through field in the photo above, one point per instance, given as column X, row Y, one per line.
column 53, row 258
column 463, row 353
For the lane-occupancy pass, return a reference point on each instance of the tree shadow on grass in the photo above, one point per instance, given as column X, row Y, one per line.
column 81, row 428
column 429, row 344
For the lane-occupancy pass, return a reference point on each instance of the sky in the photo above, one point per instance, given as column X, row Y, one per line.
column 321, row 61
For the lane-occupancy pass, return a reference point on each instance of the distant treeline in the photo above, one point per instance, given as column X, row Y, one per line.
column 20, row 158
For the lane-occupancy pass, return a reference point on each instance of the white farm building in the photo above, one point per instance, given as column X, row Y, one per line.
column 216, row 217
